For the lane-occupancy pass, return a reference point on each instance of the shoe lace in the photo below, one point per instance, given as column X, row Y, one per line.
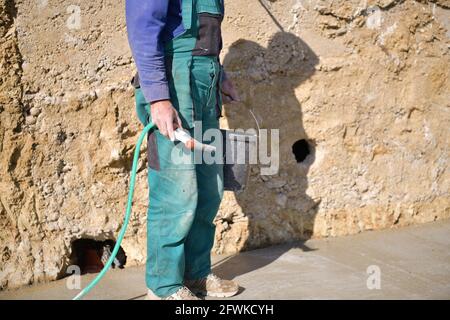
column 212, row 277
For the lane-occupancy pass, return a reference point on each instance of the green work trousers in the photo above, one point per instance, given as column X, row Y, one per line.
column 184, row 196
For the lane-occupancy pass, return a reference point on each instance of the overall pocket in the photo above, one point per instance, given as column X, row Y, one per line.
column 209, row 35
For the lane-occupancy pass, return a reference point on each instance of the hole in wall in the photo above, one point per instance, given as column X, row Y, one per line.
column 301, row 149
column 91, row 255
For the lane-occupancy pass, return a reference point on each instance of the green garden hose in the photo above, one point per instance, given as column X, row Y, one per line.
column 94, row 282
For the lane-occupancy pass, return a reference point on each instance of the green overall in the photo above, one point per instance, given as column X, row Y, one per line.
column 184, row 197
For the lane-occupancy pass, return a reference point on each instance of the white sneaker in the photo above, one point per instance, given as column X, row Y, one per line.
column 182, row 294
column 213, row 286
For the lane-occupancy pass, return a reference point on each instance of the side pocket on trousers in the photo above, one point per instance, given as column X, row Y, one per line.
column 219, row 102
column 152, row 151
column 209, row 37
column 216, row 97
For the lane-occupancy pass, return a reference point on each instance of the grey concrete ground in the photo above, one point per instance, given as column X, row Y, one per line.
column 414, row 263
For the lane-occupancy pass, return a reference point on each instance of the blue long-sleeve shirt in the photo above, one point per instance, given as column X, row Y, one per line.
column 151, row 23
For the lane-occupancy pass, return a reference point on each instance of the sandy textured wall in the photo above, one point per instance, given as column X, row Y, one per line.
column 364, row 83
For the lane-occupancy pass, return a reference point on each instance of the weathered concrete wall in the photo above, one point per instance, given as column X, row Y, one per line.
column 365, row 83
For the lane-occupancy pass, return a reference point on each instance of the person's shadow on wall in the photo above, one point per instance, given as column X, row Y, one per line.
column 277, row 207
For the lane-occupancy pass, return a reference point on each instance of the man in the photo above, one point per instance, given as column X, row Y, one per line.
column 180, row 83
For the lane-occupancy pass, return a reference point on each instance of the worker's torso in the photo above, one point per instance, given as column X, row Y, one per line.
column 193, row 28
column 192, row 62
column 192, row 65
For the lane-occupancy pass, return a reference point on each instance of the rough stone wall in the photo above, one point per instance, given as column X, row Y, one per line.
column 365, row 83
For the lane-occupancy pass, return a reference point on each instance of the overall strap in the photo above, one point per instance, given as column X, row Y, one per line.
column 187, row 12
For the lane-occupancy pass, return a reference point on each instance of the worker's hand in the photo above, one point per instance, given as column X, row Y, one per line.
column 229, row 93
column 165, row 117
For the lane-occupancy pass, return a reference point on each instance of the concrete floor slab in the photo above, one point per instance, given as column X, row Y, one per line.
column 414, row 263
